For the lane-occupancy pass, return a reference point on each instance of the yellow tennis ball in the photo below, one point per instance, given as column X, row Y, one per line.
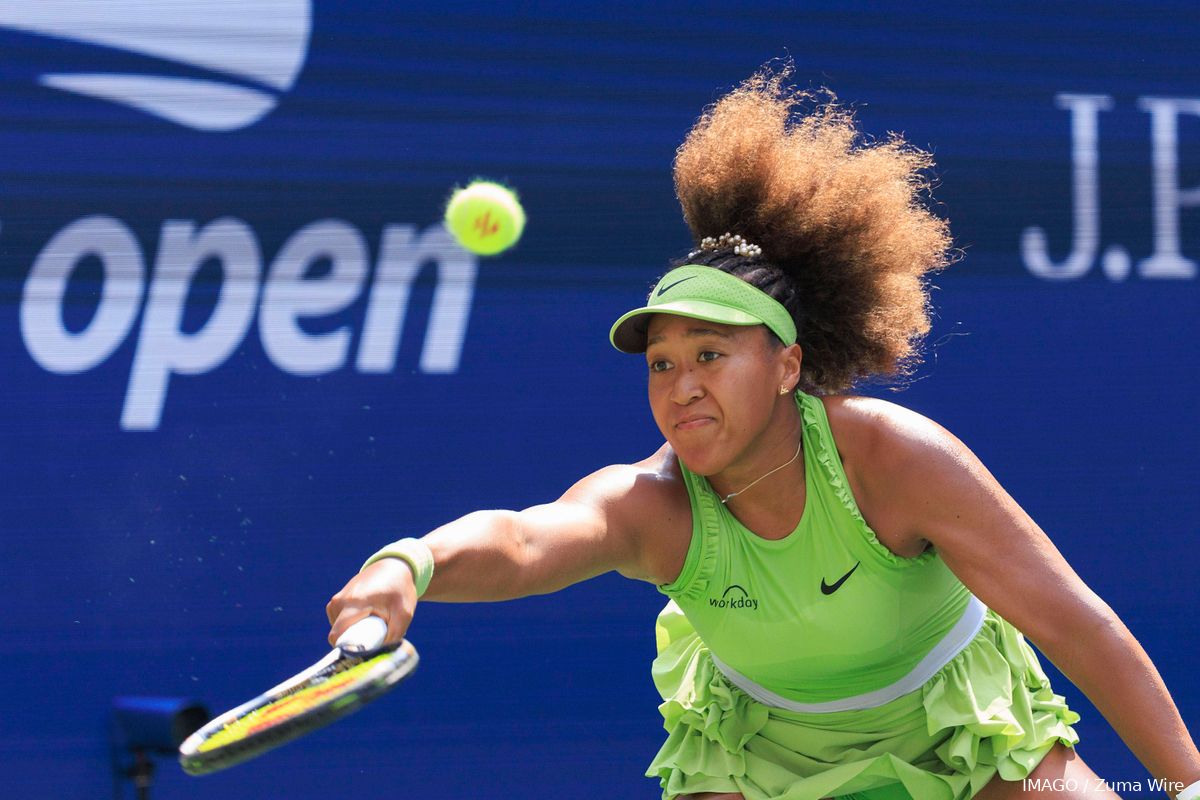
column 486, row 218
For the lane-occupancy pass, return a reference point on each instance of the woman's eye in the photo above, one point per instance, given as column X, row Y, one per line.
column 709, row 355
column 659, row 366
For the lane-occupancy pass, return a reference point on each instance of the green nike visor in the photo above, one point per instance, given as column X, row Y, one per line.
column 703, row 293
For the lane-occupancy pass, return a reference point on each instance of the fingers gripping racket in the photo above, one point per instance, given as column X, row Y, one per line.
column 356, row 671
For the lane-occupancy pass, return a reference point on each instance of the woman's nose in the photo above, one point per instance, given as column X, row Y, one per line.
column 687, row 387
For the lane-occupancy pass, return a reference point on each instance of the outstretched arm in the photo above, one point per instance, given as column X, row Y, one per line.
column 950, row 499
column 501, row 555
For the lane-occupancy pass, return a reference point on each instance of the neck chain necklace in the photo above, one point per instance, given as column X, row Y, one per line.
column 732, row 495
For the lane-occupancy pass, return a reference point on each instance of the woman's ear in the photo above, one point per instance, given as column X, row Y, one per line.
column 793, row 357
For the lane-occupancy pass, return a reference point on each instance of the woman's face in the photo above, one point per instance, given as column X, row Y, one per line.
column 713, row 388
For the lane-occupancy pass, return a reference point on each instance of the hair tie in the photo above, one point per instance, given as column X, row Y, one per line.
column 740, row 246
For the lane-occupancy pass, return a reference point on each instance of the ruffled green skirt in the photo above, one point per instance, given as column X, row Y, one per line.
column 989, row 710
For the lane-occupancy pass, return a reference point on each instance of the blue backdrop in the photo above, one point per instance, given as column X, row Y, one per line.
column 240, row 353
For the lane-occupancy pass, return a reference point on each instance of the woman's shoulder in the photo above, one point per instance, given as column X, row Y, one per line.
column 642, row 495
column 642, row 508
column 650, row 501
column 657, row 491
column 868, row 427
column 654, row 478
column 879, row 443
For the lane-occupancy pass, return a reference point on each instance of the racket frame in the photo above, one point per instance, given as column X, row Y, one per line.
column 400, row 662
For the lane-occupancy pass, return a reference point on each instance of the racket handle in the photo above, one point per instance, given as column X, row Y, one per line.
column 366, row 634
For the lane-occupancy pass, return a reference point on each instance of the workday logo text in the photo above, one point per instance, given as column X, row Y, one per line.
column 734, row 597
column 224, row 63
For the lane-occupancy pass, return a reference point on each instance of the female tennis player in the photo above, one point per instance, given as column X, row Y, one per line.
column 849, row 587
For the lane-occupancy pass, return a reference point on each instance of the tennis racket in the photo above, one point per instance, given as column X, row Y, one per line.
column 356, row 671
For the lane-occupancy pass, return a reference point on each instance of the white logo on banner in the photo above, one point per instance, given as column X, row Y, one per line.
column 261, row 42
column 1167, row 261
column 280, row 297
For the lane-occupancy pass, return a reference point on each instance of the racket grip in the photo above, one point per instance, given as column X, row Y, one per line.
column 366, row 634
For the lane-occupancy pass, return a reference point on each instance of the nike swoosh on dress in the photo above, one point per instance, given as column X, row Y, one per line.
column 827, row 589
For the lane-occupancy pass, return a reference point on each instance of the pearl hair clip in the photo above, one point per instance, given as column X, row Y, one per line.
column 740, row 246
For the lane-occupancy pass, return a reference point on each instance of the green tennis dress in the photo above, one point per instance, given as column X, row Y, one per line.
column 824, row 665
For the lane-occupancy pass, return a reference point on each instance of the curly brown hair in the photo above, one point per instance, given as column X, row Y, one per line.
column 846, row 241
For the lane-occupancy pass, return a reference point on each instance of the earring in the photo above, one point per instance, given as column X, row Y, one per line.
column 783, row 390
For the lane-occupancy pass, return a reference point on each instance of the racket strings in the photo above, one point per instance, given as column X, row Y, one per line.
column 341, row 677
column 335, row 686
column 346, row 662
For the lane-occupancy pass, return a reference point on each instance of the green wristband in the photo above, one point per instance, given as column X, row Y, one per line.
column 413, row 552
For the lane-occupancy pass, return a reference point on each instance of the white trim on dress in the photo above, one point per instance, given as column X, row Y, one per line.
column 950, row 645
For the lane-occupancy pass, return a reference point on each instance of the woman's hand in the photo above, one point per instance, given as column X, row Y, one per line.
column 385, row 589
